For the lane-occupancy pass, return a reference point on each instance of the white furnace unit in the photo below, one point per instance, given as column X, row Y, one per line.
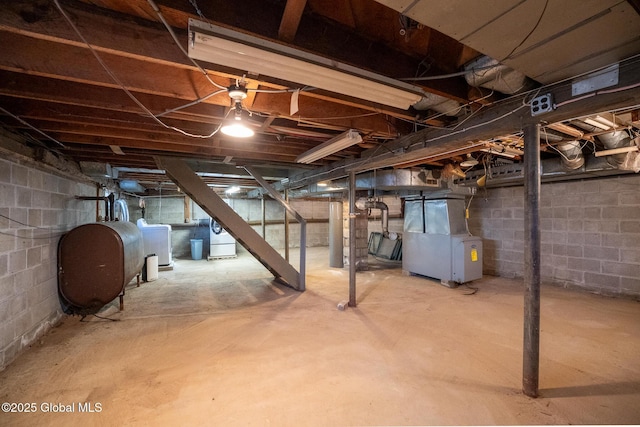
column 222, row 244
column 436, row 242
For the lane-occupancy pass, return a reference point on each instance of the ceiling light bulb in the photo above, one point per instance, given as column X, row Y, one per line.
column 237, row 129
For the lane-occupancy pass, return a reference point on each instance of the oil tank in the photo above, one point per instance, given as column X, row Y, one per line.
column 95, row 263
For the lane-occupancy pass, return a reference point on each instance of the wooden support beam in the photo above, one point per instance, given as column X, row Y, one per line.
column 291, row 19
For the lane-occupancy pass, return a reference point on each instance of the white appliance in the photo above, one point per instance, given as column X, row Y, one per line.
column 157, row 240
column 222, row 244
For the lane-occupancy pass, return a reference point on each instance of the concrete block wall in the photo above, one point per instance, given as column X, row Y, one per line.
column 396, row 224
column 316, row 212
column 37, row 208
column 170, row 210
column 590, row 233
column 362, row 237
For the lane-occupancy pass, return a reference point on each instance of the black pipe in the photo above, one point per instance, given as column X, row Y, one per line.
column 109, row 205
column 105, row 199
column 112, row 206
column 531, row 345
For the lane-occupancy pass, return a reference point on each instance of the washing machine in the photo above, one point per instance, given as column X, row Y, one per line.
column 222, row 244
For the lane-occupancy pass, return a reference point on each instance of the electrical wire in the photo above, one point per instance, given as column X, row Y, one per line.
column 122, row 86
column 186, row 54
column 462, row 106
column 355, row 116
column 32, row 127
column 592, row 94
column 194, row 3
column 544, row 9
column 53, row 236
column 175, row 39
column 450, row 75
column 190, row 104
column 466, row 215
column 474, row 290
column 98, row 317
column 564, row 156
column 20, row 222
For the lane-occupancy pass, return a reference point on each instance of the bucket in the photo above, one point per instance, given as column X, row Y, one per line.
column 196, row 249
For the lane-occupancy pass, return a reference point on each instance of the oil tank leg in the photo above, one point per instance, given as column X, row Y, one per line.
column 122, row 301
column 138, row 280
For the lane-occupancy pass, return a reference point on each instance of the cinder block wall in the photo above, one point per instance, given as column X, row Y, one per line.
column 170, row 210
column 590, row 233
column 362, row 237
column 36, row 208
column 396, row 222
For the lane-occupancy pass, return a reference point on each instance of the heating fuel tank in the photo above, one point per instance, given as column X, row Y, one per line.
column 95, row 263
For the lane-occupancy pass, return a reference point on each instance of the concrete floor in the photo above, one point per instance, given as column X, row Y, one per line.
column 217, row 343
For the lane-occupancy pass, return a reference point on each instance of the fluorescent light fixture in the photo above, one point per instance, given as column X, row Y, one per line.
column 597, row 123
column 569, row 130
column 605, row 121
column 338, row 143
column 253, row 55
column 233, row 189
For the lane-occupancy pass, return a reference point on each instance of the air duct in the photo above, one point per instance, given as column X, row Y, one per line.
column 364, row 204
column 489, row 73
column 571, row 154
column 431, row 101
column 612, row 140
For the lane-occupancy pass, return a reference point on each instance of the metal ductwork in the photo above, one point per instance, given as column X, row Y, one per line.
column 613, row 140
column 438, row 103
column 571, row 154
column 490, row 74
column 364, row 204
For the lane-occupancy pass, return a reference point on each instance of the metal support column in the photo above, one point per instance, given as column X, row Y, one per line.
column 263, row 217
column 352, row 239
column 286, row 226
column 531, row 350
column 336, row 242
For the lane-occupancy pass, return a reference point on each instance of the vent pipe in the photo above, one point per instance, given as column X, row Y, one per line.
column 612, row 140
column 489, row 73
column 363, row 204
column 431, row 101
column 571, row 154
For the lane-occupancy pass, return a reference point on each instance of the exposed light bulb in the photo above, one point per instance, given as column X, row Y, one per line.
column 237, row 129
